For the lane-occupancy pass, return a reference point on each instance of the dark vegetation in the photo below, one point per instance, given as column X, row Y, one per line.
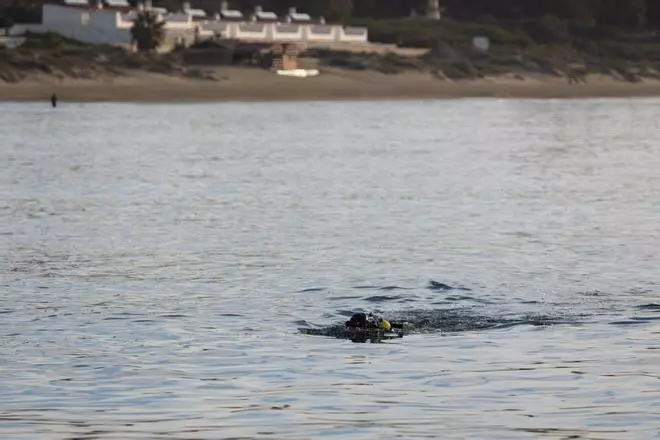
column 546, row 44
column 58, row 57
column 148, row 32
column 623, row 14
column 635, row 15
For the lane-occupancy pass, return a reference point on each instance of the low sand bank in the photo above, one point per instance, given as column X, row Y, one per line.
column 245, row 84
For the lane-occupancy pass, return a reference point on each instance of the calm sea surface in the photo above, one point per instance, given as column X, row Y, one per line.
column 157, row 263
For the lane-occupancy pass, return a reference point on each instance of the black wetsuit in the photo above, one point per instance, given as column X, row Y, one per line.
column 362, row 327
column 361, row 321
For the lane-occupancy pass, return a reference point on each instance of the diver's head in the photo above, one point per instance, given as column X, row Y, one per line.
column 357, row 320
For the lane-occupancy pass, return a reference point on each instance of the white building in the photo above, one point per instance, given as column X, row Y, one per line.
column 433, row 10
column 110, row 23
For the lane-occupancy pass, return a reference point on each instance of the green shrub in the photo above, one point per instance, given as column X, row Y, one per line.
column 500, row 35
column 595, row 32
column 630, row 52
column 48, row 40
column 548, row 30
column 408, row 32
column 587, row 46
column 487, row 20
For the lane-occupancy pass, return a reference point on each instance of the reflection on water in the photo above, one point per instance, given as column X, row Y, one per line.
column 159, row 262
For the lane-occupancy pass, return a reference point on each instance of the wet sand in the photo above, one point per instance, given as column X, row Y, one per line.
column 244, row 84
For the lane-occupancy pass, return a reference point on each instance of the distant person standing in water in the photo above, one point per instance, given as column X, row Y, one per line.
column 53, row 100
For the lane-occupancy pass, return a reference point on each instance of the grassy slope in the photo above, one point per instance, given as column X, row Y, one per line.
column 542, row 47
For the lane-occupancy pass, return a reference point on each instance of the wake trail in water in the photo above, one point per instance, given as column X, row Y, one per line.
column 452, row 319
column 448, row 321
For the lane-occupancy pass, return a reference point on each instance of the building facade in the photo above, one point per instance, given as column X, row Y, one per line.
column 110, row 23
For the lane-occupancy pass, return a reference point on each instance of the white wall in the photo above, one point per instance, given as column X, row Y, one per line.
column 86, row 25
column 125, row 21
column 253, row 31
column 287, row 32
column 221, row 27
column 322, row 32
column 481, row 43
column 21, row 29
column 179, row 21
column 353, row 35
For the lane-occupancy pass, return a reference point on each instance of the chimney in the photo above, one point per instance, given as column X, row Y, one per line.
column 258, row 9
column 292, row 11
column 224, row 6
column 433, row 10
column 148, row 4
column 185, row 6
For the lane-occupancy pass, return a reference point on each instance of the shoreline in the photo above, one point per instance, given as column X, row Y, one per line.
column 245, row 84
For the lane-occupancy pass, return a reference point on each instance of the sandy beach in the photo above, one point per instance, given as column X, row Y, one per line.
column 249, row 84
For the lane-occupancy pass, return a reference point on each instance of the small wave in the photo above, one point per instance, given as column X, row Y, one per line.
column 342, row 298
column 592, row 293
column 628, row 322
column 393, row 287
column 647, row 318
column 457, row 298
column 437, row 285
column 382, row 298
column 636, row 320
column 651, row 306
column 312, row 289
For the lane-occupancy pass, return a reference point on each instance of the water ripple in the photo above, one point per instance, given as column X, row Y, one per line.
column 157, row 263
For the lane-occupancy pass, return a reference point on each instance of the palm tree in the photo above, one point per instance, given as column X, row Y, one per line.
column 148, row 30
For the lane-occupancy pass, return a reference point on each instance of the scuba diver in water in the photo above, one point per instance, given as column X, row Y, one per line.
column 362, row 327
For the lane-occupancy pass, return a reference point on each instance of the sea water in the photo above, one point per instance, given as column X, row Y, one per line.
column 158, row 262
